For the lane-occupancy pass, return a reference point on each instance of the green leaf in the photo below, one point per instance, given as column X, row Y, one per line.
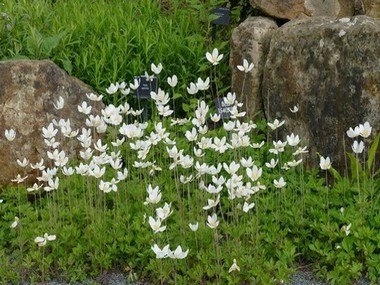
column 177, row 95
column 372, row 152
column 356, row 167
column 67, row 65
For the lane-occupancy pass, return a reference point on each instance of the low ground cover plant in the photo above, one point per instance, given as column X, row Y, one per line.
column 194, row 200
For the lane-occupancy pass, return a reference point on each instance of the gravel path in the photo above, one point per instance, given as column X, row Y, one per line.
column 300, row 278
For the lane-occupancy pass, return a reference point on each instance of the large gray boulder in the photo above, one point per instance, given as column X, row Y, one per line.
column 250, row 41
column 296, row 9
column 331, row 68
column 371, row 8
column 28, row 90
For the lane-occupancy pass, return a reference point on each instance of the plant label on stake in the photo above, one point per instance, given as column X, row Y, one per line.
column 223, row 14
column 222, row 108
column 223, row 19
column 143, row 92
column 146, row 86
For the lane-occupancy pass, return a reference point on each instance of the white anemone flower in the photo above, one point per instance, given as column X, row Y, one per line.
column 247, row 207
column 325, row 163
column 156, row 69
column 358, row 147
column 94, row 97
column 293, row 140
column 154, row 195
column 276, row 124
column 194, row 227
column 112, row 88
column 178, row 253
column 212, row 221
column 211, row 203
column 192, row 89
column 164, row 212
column 15, row 223
column 365, row 130
column 19, row 179
column 295, row 109
column 203, row 85
column 246, row 67
column 10, row 134
column 280, row 183
column 234, row 267
column 346, row 229
column 23, row 163
column 84, row 108
column 353, row 133
column 160, row 253
column 60, row 103
column 173, row 81
column 156, row 225
column 254, row 173
column 214, row 57
column 41, row 241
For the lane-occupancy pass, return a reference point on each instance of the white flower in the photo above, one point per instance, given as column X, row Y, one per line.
column 215, row 118
column 280, row 183
column 35, row 187
column 84, row 108
column 112, row 88
column 194, row 227
column 172, row 81
column 247, row 207
column 212, row 203
column 160, row 253
column 293, row 140
column 246, row 67
column 246, row 162
column 156, row 68
column 10, row 134
column 23, row 163
column 212, row 221
column 52, row 185
column 203, row 85
column 67, row 171
column 232, row 168
column 135, row 84
column 192, row 89
column 164, row 212
column 19, row 179
column 295, row 109
column 15, row 223
column 294, row 162
column 365, row 130
column 214, row 57
column 234, row 267
column 154, row 195
column 358, row 147
column 346, row 229
column 60, row 103
column 41, row 241
column 300, row 150
column 178, row 253
column 272, row 163
column 49, row 132
column 254, row 173
column 94, row 97
column 276, row 124
column 156, row 225
column 353, row 133
column 325, row 163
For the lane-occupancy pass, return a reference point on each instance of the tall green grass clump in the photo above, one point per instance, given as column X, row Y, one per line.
column 102, row 41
